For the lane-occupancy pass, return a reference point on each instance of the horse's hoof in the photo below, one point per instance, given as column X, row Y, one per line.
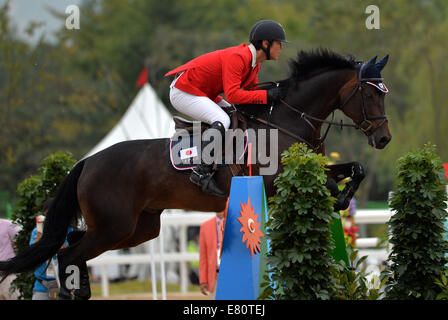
column 82, row 294
column 64, row 296
column 341, row 205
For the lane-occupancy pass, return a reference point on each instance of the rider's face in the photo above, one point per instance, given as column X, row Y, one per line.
column 276, row 48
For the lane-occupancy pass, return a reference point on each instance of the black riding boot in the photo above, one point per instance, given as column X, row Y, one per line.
column 202, row 175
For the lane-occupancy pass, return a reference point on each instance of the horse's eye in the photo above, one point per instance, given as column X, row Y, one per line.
column 369, row 95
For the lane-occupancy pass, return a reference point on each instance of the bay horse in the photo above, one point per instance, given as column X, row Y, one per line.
column 122, row 190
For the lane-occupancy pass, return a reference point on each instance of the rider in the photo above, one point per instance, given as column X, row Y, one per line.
column 197, row 85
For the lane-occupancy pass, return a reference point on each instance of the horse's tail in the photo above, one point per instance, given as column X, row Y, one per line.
column 62, row 211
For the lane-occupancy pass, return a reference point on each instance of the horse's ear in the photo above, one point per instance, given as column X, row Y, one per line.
column 370, row 62
column 382, row 63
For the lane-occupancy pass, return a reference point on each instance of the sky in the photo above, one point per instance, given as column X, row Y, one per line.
column 22, row 12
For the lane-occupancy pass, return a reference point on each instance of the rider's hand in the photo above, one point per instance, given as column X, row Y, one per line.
column 275, row 94
column 204, row 288
column 38, row 236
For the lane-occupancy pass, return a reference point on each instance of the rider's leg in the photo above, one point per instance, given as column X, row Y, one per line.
column 202, row 175
column 198, row 107
column 203, row 109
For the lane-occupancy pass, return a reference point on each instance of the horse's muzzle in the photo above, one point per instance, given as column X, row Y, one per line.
column 379, row 142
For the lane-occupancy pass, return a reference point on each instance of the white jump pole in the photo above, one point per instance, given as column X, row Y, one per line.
column 153, row 271
column 104, row 281
column 183, row 264
column 162, row 264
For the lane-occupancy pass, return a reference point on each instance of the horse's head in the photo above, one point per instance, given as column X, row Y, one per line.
column 363, row 101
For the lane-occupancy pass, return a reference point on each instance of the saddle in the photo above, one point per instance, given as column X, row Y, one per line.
column 187, row 158
column 237, row 121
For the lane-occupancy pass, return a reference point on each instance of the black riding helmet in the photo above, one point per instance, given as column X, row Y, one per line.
column 266, row 30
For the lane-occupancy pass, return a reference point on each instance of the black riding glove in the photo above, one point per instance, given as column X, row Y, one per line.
column 275, row 94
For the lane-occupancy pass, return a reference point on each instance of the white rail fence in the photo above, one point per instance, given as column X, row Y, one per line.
column 366, row 246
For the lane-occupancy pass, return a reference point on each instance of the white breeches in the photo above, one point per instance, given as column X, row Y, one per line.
column 198, row 107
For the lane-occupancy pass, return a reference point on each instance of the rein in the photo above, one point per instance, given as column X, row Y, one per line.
column 270, row 124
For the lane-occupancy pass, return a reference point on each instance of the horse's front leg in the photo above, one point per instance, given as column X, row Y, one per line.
column 338, row 172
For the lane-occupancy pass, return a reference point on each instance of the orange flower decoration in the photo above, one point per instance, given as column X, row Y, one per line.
column 250, row 227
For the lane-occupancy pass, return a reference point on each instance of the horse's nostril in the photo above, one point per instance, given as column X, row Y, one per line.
column 385, row 140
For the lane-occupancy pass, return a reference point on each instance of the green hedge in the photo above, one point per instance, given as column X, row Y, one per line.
column 300, row 261
column 33, row 192
column 416, row 229
column 299, row 229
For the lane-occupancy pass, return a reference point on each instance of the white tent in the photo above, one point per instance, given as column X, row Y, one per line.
column 146, row 118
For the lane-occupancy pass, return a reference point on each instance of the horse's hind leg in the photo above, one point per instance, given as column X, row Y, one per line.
column 148, row 227
column 92, row 243
column 83, row 293
column 69, row 257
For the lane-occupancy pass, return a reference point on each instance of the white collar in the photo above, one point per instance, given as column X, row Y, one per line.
column 254, row 55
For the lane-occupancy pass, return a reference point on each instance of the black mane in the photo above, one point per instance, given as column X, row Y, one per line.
column 309, row 62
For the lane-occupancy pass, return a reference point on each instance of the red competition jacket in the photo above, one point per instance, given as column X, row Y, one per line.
column 223, row 71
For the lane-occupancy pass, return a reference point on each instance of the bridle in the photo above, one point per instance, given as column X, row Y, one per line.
column 368, row 131
column 365, row 118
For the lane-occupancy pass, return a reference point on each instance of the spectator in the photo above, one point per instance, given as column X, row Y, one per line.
column 210, row 240
column 8, row 231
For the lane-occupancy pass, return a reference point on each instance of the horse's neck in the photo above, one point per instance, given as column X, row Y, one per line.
column 317, row 97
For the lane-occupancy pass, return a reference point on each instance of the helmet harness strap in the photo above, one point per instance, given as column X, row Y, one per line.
column 267, row 50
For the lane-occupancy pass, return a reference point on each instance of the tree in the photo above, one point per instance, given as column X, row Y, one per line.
column 46, row 102
column 33, row 192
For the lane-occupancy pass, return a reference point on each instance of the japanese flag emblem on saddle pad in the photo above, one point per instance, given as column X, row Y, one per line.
column 188, row 153
column 185, row 151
